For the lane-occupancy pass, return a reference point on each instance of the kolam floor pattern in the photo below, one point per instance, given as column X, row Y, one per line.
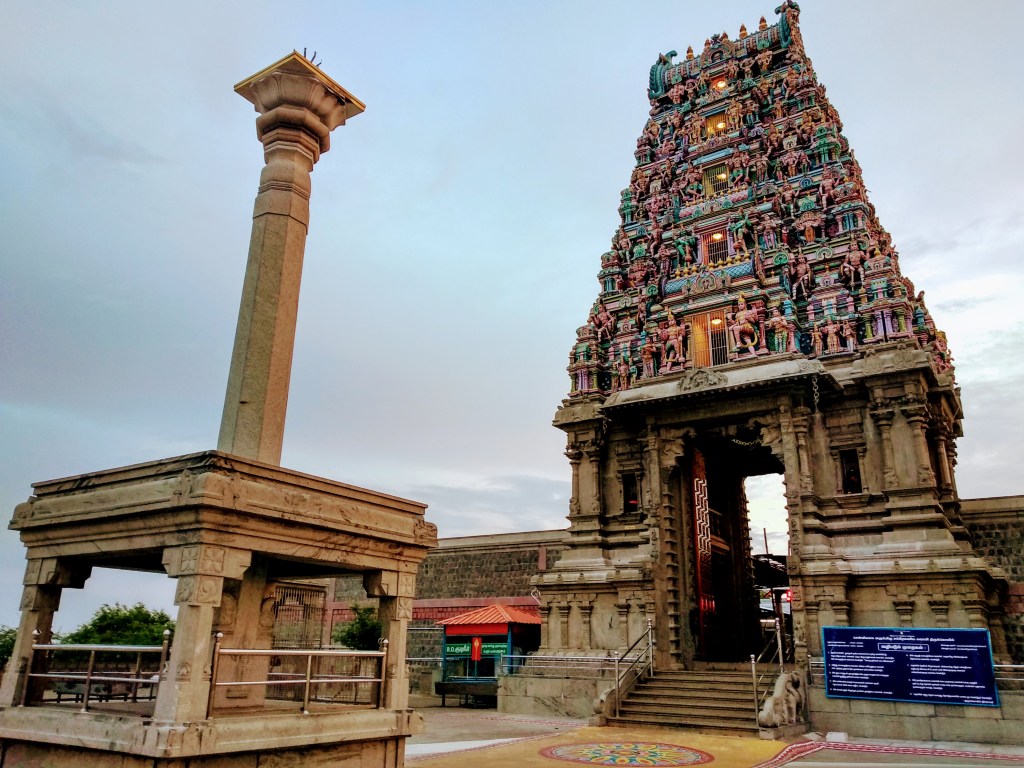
column 645, row 753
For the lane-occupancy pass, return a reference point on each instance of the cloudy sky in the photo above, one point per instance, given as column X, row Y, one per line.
column 456, row 231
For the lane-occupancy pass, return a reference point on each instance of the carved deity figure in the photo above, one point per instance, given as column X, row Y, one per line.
column 743, row 326
column 801, row 279
column 686, row 244
column 602, row 321
column 852, row 270
column 647, row 357
column 674, row 341
column 740, row 228
column 819, row 345
column 783, row 332
column 622, row 372
column 831, row 331
column 943, row 358
column 849, row 334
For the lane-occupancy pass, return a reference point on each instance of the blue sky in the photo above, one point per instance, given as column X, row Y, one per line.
column 456, row 230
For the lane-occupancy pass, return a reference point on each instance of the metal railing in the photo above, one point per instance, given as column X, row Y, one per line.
column 95, row 684
column 325, row 675
column 558, row 666
column 773, row 651
column 641, row 661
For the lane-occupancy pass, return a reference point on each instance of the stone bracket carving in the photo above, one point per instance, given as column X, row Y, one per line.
column 701, row 378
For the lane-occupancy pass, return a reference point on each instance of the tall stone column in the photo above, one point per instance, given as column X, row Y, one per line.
column 299, row 106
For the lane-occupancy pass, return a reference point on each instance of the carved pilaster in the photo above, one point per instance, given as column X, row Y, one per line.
column 977, row 613
column 942, row 434
column 794, row 481
column 841, row 610
column 563, row 626
column 623, row 611
column 915, row 411
column 800, row 425
column 585, row 610
column 810, row 643
column 545, row 617
column 574, row 454
column 940, row 609
column 883, row 415
column 905, row 610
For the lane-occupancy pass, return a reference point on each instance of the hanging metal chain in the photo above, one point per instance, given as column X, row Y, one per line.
column 814, row 392
column 746, row 443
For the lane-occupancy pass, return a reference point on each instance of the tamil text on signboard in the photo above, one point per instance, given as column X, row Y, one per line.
column 934, row 666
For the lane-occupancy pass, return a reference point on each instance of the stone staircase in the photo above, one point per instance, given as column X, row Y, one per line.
column 715, row 698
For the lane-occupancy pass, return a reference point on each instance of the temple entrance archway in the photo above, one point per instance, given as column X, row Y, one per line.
column 713, row 583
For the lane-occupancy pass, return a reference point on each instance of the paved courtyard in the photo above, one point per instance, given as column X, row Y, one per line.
column 458, row 737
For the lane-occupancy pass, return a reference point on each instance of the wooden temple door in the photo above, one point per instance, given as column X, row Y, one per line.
column 703, row 619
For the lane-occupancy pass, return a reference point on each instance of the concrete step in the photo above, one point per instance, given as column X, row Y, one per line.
column 684, row 689
column 642, row 699
column 730, row 717
column 719, row 700
column 703, row 724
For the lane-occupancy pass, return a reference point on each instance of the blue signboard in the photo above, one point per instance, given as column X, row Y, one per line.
column 930, row 666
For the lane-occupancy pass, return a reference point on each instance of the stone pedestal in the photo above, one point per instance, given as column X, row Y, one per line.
column 218, row 524
column 226, row 525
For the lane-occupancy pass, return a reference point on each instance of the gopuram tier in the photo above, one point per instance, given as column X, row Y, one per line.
column 752, row 319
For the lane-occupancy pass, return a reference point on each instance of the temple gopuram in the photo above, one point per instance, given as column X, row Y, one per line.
column 751, row 319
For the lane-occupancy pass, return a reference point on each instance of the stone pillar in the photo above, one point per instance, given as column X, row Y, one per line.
column 44, row 580
column 801, row 425
column 883, row 417
column 623, row 611
column 545, row 618
column 793, row 474
column 200, row 569
column 940, row 608
column 942, row 433
column 395, row 591
column 574, row 454
column 810, row 644
column 585, row 611
column 251, row 626
column 915, row 411
column 905, row 610
column 841, row 610
column 299, row 106
column 563, row 626
column 977, row 611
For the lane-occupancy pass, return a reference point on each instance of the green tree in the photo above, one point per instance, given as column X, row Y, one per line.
column 122, row 625
column 362, row 633
column 7, row 637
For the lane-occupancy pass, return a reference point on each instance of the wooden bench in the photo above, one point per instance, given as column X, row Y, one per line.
column 467, row 689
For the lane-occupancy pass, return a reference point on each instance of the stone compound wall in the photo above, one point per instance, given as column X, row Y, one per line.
column 919, row 722
column 462, row 574
column 487, row 566
column 996, row 526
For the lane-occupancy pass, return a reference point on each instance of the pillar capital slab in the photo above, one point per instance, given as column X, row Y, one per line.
column 294, row 92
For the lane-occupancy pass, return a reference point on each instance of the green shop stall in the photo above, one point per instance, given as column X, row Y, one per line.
column 473, row 648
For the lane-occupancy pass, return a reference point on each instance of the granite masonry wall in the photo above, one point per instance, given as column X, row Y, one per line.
column 996, row 526
column 462, row 574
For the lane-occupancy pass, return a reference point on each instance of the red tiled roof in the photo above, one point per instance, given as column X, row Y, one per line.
column 493, row 614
